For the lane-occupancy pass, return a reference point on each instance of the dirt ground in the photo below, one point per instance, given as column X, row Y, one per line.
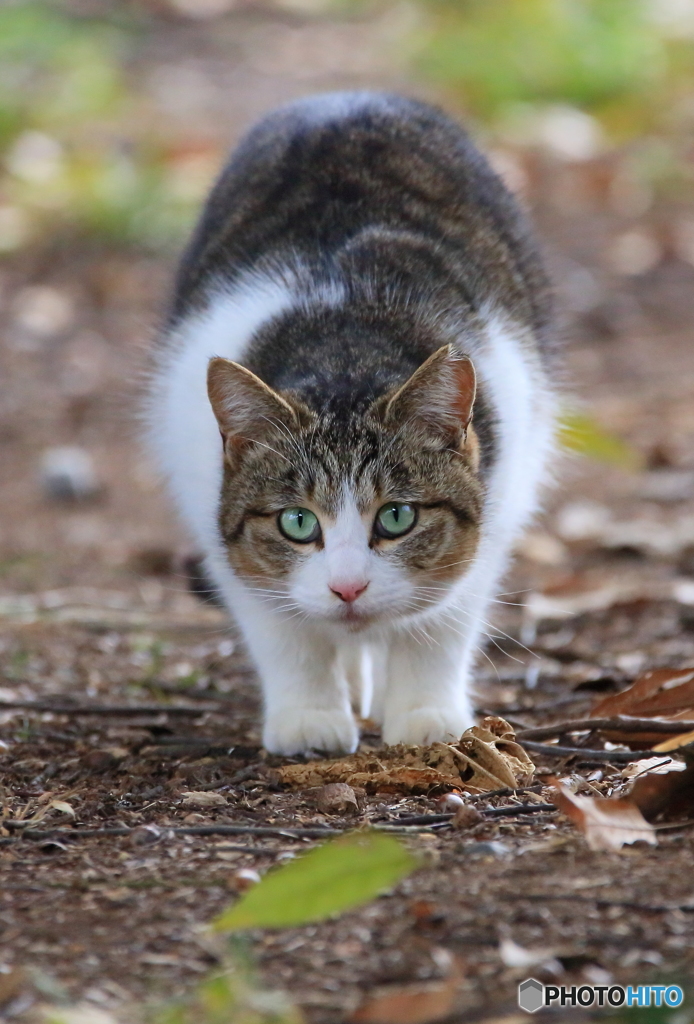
column 95, row 609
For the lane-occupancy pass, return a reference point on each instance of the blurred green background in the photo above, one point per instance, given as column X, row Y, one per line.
column 81, row 150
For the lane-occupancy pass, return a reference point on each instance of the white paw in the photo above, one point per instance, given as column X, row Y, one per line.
column 422, row 726
column 295, row 731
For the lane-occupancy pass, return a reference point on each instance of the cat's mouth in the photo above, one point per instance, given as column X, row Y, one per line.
column 355, row 618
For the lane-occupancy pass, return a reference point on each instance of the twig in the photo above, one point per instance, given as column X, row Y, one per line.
column 408, row 830
column 548, row 705
column 119, row 710
column 669, row 825
column 41, row 835
column 576, row 898
column 615, row 756
column 506, row 791
column 621, row 723
column 509, row 810
column 419, row 819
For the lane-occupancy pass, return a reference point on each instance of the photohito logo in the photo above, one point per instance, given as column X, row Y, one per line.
column 532, row 995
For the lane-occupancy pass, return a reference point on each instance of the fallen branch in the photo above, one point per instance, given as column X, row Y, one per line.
column 119, row 710
column 511, row 810
column 507, row 810
column 614, row 756
column 616, row 724
column 42, row 835
column 506, row 791
column 548, row 705
column 662, row 908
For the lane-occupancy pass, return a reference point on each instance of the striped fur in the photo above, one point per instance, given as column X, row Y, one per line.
column 379, row 326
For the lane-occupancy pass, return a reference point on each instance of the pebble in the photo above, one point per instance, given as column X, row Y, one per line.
column 244, row 878
column 68, row 474
column 466, row 816
column 145, row 835
column 337, row 798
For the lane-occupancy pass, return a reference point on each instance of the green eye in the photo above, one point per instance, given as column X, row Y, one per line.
column 299, row 525
column 395, row 519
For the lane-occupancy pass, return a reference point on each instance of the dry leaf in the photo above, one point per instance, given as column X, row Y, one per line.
column 684, row 739
column 663, row 693
column 486, row 757
column 492, row 748
column 513, row 955
column 606, row 824
column 63, row 806
column 360, row 770
column 657, row 765
column 672, row 792
column 203, row 799
column 409, row 1004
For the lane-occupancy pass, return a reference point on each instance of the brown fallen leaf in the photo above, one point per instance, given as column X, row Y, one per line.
column 663, row 693
column 492, row 749
column 203, row 799
column 606, row 824
column 486, row 757
column 409, row 1004
column 665, row 792
column 360, row 770
column 680, row 742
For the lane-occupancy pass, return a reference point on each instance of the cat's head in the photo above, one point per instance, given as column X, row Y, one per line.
column 354, row 517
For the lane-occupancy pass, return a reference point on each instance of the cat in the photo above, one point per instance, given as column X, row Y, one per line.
column 363, row 316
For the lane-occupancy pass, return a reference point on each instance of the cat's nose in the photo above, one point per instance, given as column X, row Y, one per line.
column 348, row 591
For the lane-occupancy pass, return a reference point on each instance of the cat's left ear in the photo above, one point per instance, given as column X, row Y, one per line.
column 439, row 396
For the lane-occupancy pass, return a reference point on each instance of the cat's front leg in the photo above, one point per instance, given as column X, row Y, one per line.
column 426, row 697
column 306, row 699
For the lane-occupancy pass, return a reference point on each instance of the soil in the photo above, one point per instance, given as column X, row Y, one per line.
column 95, row 608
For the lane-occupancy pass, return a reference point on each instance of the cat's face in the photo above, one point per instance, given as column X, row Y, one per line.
column 353, row 519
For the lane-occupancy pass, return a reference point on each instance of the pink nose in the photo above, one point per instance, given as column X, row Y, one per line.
column 348, row 591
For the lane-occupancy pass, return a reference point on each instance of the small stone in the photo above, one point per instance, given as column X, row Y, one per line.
column 450, row 802
column 43, row 312
column 153, row 561
column 466, row 816
column 337, row 798
column 543, row 548
column 490, row 848
column 68, row 474
column 145, row 835
column 203, row 800
column 244, row 878
column 99, row 760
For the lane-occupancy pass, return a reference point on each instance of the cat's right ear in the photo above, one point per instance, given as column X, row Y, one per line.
column 245, row 407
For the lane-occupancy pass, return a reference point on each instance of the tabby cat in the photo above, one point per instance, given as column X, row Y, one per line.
column 362, row 314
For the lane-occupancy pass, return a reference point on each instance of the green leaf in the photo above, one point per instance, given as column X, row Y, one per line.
column 335, row 877
column 580, row 433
